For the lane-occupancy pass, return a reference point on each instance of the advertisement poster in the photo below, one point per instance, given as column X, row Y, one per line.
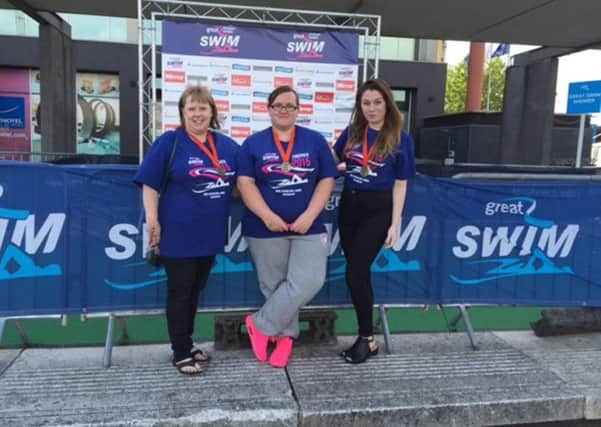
column 14, row 113
column 242, row 65
column 97, row 113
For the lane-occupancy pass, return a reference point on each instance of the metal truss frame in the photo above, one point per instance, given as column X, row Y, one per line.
column 151, row 11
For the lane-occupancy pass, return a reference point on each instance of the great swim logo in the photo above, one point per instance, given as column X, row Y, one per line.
column 26, row 238
column 306, row 46
column 127, row 243
column 532, row 248
column 220, row 39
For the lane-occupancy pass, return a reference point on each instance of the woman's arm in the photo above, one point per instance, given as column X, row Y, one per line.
column 335, row 155
column 399, row 191
column 150, row 198
column 254, row 201
column 318, row 202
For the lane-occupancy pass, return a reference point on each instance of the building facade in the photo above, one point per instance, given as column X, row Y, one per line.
column 105, row 59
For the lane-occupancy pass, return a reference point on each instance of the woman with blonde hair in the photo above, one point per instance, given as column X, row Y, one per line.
column 194, row 170
column 378, row 160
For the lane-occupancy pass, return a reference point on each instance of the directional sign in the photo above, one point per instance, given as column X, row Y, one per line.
column 584, row 97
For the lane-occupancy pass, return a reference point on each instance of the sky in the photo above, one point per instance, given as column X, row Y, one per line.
column 578, row 67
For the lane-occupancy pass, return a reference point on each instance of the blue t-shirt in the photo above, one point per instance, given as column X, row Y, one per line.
column 194, row 209
column 286, row 193
column 383, row 171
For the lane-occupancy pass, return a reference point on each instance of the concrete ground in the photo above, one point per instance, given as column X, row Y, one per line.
column 428, row 380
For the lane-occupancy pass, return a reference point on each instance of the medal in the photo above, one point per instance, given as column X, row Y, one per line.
column 210, row 151
column 364, row 171
column 284, row 155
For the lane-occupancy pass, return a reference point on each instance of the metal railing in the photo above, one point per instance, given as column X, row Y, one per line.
column 30, row 156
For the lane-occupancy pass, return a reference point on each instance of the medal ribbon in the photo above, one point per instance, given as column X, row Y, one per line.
column 285, row 156
column 210, row 151
column 366, row 154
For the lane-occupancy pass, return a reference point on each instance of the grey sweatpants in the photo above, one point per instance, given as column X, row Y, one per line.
column 291, row 270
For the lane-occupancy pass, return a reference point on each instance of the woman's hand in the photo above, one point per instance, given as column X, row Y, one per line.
column 254, row 201
column 399, row 192
column 154, row 232
column 318, row 202
column 302, row 223
column 391, row 237
column 274, row 223
column 150, row 196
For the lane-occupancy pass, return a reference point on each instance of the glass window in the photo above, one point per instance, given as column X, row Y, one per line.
column 83, row 27
column 97, row 28
column 87, row 27
column 16, row 23
column 402, row 98
column 400, row 95
column 391, row 48
column 406, row 49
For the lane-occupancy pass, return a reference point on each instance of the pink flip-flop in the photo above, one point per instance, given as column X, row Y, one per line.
column 258, row 340
column 283, row 349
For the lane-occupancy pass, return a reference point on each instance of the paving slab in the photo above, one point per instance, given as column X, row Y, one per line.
column 141, row 388
column 7, row 357
column 574, row 358
column 431, row 379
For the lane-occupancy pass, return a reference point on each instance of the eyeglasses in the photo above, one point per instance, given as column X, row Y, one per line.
column 284, row 108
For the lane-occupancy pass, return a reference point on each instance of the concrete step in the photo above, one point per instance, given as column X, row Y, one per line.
column 429, row 380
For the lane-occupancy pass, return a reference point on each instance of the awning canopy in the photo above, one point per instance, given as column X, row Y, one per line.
column 560, row 23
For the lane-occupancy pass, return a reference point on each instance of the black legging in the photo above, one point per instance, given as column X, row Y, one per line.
column 186, row 278
column 364, row 219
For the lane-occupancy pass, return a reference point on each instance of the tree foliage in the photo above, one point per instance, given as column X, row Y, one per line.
column 456, row 89
column 492, row 93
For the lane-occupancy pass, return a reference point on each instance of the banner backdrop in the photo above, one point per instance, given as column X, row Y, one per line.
column 242, row 65
column 71, row 239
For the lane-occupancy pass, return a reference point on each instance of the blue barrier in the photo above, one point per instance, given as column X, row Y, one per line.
column 72, row 240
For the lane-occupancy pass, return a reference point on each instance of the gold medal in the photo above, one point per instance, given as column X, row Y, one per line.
column 284, row 155
column 210, row 152
column 364, row 171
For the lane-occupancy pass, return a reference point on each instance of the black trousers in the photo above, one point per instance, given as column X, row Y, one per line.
column 364, row 219
column 186, row 278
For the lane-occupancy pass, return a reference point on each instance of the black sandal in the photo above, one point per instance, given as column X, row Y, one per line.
column 188, row 362
column 363, row 350
column 351, row 349
column 200, row 356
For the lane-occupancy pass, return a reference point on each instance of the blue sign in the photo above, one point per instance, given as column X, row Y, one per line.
column 72, row 238
column 12, row 112
column 584, row 97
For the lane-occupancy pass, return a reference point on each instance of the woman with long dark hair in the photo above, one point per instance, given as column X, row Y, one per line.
column 379, row 159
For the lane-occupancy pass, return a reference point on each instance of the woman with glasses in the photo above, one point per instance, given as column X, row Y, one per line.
column 194, row 169
column 286, row 175
column 379, row 160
